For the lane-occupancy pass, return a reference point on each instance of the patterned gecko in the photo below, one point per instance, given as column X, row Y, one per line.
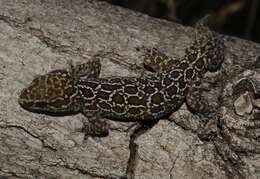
column 80, row 90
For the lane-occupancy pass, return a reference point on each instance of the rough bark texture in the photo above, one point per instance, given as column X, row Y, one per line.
column 37, row 36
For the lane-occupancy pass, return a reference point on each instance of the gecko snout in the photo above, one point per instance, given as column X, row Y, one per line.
column 24, row 99
column 32, row 94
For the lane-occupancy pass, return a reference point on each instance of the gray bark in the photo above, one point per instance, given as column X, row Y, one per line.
column 37, row 36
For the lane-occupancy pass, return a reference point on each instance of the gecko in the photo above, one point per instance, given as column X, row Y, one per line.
column 79, row 89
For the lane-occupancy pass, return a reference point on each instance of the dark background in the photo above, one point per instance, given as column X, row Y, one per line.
column 233, row 17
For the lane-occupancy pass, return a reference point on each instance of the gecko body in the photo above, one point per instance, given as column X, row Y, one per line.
column 127, row 98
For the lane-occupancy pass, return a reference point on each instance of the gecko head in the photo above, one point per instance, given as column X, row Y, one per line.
column 54, row 93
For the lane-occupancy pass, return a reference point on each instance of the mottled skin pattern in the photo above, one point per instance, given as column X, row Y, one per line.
column 145, row 98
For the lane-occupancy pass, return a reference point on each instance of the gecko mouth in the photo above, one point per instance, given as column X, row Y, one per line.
column 25, row 104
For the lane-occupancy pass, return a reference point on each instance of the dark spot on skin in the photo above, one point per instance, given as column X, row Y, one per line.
column 174, row 74
column 88, row 93
column 157, row 98
column 134, row 110
column 131, row 89
column 110, row 87
column 189, row 73
column 103, row 95
column 172, row 90
column 149, row 89
column 118, row 98
column 134, row 100
column 167, row 81
column 104, row 105
column 118, row 109
column 182, row 83
column 158, row 85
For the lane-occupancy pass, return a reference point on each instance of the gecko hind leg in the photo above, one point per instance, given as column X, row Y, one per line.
column 198, row 104
column 156, row 61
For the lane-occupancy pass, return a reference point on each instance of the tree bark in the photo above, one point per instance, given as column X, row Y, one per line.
column 37, row 36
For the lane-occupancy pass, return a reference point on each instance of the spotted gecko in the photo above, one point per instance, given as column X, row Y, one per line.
column 79, row 89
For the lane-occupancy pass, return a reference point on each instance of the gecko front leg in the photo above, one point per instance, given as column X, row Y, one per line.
column 88, row 70
column 94, row 125
column 198, row 104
